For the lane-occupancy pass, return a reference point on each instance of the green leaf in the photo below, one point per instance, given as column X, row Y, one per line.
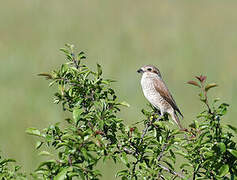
column 38, row 144
column 232, row 128
column 63, row 173
column 222, row 147
column 172, row 154
column 64, row 50
column 222, row 109
column 196, row 124
column 233, row 152
column 99, row 70
column 224, row 170
column 169, row 164
column 7, row 161
column 123, row 103
column 64, row 68
column 181, row 153
column 44, row 153
column 208, row 154
column 46, row 75
column 124, row 158
column 81, row 55
column 209, row 86
column 33, row 131
column 185, row 164
column 85, row 153
column 81, row 175
column 46, row 163
column 122, row 173
column 77, row 113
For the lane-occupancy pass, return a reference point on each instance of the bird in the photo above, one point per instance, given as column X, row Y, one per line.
column 157, row 93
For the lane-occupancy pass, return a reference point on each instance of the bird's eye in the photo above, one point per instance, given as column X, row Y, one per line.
column 149, row 69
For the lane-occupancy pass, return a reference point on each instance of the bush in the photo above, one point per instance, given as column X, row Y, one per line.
column 94, row 133
column 9, row 170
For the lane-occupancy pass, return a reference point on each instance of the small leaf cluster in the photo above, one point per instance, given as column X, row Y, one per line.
column 210, row 148
column 9, row 170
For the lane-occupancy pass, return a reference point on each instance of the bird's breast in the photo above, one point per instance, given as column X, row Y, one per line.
column 150, row 92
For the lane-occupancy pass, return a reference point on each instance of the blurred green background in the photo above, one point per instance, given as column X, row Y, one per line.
column 182, row 38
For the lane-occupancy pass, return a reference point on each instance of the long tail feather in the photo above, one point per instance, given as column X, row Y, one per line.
column 176, row 120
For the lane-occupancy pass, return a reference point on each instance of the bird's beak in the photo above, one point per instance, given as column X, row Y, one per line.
column 140, row 71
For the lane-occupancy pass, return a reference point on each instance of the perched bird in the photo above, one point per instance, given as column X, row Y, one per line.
column 157, row 93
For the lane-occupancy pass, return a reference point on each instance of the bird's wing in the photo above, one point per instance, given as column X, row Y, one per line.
column 164, row 92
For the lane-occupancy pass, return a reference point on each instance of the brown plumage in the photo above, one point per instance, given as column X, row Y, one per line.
column 157, row 92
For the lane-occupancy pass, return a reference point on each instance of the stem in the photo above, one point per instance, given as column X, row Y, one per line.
column 145, row 131
column 134, row 168
column 70, row 160
column 232, row 176
column 163, row 149
column 74, row 61
column 126, row 150
column 206, row 99
column 195, row 172
column 142, row 153
column 171, row 171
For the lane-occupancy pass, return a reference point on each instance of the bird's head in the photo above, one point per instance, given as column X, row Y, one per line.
column 149, row 70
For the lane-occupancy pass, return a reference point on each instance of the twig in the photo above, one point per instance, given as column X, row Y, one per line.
column 162, row 152
column 126, row 150
column 171, row 171
column 70, row 160
column 163, row 149
column 145, row 131
column 134, row 167
column 163, row 167
column 74, row 61
column 67, row 81
column 195, row 172
column 142, row 137
column 161, row 177
column 206, row 99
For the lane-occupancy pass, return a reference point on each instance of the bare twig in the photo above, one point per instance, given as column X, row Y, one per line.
column 163, row 149
column 145, row 131
column 70, row 161
column 171, row 171
column 126, row 150
column 162, row 152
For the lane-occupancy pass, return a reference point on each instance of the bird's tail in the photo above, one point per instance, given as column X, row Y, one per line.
column 176, row 120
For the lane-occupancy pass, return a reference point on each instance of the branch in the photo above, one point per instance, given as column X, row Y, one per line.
column 145, row 131
column 163, row 150
column 171, row 171
column 134, row 167
column 126, row 150
column 161, row 177
column 148, row 124
column 74, row 61
column 195, row 172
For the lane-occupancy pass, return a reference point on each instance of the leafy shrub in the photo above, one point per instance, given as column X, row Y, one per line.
column 9, row 170
column 94, row 133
